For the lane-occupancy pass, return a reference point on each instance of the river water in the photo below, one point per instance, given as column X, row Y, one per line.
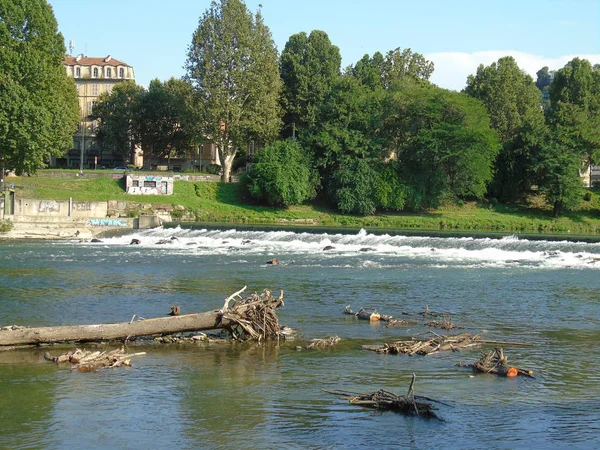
column 189, row 396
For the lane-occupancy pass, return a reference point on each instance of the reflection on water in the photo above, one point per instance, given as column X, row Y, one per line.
column 237, row 395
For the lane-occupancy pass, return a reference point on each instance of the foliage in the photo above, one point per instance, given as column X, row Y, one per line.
column 166, row 119
column 282, row 175
column 513, row 104
column 118, row 116
column 38, row 101
column 5, row 226
column 444, row 145
column 575, row 107
column 353, row 187
column 396, row 67
column 213, row 169
column 309, row 65
column 233, row 66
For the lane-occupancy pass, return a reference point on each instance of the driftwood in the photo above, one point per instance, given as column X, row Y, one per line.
column 445, row 323
column 409, row 404
column 250, row 318
column 496, row 362
column 323, row 343
column 427, row 347
column 88, row 361
column 367, row 314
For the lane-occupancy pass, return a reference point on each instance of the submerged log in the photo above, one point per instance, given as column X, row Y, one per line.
column 367, row 314
column 323, row 343
column 409, row 404
column 253, row 317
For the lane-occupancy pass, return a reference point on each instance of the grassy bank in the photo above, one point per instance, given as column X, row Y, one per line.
column 218, row 202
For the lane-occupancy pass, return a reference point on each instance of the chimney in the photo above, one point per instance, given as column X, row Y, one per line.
column 108, row 58
column 79, row 57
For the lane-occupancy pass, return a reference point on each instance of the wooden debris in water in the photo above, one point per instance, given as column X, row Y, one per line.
column 427, row 347
column 253, row 317
column 445, row 323
column 400, row 322
column 367, row 314
column 324, row 343
column 496, row 362
column 92, row 361
column 409, row 404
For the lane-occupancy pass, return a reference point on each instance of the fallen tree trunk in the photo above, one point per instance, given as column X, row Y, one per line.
column 247, row 317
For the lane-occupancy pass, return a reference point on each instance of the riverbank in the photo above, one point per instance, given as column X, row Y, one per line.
column 223, row 203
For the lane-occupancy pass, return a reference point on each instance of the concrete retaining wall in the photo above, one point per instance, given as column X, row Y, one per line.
column 54, row 208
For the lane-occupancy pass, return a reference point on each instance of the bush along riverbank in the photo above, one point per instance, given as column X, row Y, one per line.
column 224, row 203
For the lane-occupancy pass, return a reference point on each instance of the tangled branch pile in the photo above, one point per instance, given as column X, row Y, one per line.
column 253, row 317
column 410, row 404
column 496, row 362
column 427, row 347
column 88, row 361
column 445, row 323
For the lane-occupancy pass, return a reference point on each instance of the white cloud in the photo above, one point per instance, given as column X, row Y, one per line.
column 453, row 68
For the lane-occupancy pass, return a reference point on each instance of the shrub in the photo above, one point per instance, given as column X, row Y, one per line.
column 5, row 226
column 213, row 169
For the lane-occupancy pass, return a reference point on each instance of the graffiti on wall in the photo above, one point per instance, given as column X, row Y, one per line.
column 82, row 206
column 109, row 223
column 48, row 206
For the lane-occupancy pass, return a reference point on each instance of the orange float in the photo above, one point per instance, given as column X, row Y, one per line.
column 512, row 372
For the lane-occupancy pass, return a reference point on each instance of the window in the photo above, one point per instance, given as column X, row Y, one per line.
column 135, row 183
column 94, row 89
column 150, row 184
column 90, row 108
column 95, row 72
column 78, row 72
column 108, row 72
column 121, row 73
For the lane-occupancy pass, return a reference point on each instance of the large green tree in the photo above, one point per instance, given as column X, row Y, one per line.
column 38, row 101
column 233, row 65
column 575, row 108
column 166, row 119
column 283, row 175
column 443, row 143
column 118, row 117
column 513, row 103
column 309, row 66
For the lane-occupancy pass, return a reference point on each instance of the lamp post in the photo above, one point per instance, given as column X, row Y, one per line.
column 82, row 148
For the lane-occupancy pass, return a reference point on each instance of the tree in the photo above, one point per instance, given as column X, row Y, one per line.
column 309, row 66
column 397, row 66
column 445, row 146
column 575, row 108
column 118, row 116
column 513, row 104
column 38, row 101
column 283, row 175
column 232, row 64
column 166, row 120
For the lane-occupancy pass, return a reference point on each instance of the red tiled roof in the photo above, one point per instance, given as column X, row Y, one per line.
column 87, row 61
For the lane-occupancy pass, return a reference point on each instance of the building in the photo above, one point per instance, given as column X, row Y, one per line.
column 93, row 76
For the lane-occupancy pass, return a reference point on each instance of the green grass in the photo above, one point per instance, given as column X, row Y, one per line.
column 222, row 202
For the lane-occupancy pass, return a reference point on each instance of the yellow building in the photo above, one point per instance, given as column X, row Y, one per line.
column 93, row 76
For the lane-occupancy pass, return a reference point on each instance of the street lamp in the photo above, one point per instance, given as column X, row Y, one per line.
column 82, row 148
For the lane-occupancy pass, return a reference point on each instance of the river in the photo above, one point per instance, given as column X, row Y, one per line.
column 189, row 396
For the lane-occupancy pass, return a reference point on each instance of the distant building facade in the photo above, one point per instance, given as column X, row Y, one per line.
column 93, row 76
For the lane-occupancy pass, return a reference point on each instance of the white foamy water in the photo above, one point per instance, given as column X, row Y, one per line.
column 363, row 249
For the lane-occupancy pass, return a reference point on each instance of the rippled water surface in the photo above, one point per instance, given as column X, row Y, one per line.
column 541, row 292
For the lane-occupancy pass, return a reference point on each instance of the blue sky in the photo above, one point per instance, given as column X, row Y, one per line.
column 457, row 35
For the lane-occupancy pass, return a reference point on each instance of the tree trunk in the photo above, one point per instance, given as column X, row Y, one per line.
column 253, row 316
column 226, row 164
column 10, row 336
